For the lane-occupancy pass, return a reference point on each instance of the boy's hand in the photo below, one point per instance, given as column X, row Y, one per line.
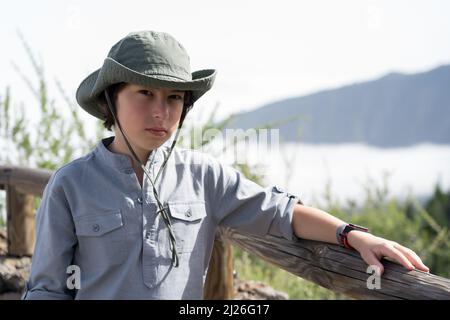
column 373, row 248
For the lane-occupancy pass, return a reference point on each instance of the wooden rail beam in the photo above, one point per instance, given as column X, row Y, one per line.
column 340, row 269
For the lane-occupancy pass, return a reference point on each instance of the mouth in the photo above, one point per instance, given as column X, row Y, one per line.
column 160, row 132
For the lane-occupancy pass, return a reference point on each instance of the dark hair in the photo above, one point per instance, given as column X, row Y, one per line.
column 114, row 91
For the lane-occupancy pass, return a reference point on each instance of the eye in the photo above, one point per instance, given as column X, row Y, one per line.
column 176, row 97
column 145, row 92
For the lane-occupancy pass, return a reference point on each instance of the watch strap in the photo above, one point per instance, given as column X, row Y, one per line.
column 342, row 233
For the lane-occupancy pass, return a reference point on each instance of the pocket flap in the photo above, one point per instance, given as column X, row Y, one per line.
column 187, row 211
column 93, row 226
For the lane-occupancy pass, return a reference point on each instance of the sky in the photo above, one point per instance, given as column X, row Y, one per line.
column 263, row 50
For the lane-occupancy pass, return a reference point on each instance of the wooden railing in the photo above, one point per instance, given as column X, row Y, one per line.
column 22, row 185
column 330, row 266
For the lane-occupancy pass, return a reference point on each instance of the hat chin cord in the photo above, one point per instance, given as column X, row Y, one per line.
column 162, row 210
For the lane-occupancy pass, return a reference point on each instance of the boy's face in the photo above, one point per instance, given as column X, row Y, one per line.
column 149, row 116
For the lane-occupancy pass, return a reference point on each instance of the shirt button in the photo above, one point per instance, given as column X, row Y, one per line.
column 96, row 227
column 139, row 200
column 188, row 213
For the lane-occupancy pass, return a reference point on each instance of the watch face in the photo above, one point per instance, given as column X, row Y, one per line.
column 347, row 229
column 355, row 227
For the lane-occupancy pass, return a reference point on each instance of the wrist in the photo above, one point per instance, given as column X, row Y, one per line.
column 355, row 238
column 348, row 234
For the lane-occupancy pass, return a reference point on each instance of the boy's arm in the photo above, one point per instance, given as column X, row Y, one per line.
column 315, row 224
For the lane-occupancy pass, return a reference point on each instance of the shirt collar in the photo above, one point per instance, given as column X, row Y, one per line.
column 123, row 162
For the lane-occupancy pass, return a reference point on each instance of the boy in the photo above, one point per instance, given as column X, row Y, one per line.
column 138, row 226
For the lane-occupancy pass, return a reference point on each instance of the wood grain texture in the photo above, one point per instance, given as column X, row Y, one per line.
column 219, row 279
column 340, row 269
column 24, row 180
column 20, row 223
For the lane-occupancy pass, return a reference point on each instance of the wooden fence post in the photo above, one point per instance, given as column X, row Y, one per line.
column 20, row 222
column 219, row 280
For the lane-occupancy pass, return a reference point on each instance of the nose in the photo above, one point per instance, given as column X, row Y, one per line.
column 160, row 109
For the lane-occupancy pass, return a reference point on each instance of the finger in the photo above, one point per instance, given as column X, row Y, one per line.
column 392, row 252
column 372, row 260
column 412, row 257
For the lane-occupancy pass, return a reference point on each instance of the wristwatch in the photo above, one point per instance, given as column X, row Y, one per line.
column 343, row 230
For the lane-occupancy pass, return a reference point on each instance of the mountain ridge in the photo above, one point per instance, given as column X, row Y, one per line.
column 393, row 110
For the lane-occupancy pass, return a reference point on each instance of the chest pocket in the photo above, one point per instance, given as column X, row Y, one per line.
column 101, row 238
column 186, row 223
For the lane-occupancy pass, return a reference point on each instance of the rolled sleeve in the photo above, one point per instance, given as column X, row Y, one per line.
column 241, row 204
column 54, row 249
column 282, row 223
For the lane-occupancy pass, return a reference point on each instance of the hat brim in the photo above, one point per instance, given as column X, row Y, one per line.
column 112, row 72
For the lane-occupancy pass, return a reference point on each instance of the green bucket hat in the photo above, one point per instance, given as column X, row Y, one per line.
column 146, row 58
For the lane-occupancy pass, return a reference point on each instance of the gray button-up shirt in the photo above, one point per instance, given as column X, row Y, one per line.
column 95, row 215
